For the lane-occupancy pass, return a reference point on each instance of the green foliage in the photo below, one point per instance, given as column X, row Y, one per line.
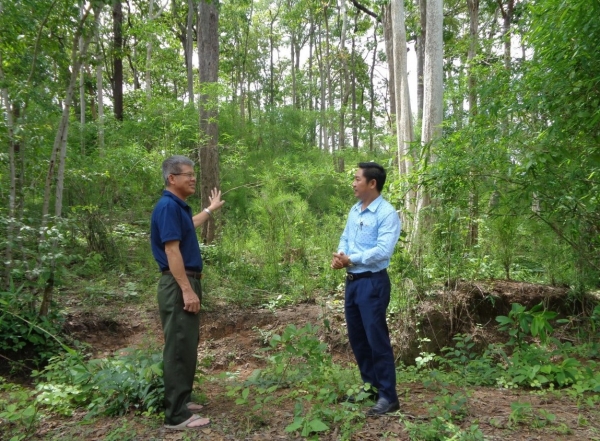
column 130, row 381
column 18, row 412
column 521, row 323
column 298, row 358
column 25, row 334
column 551, row 365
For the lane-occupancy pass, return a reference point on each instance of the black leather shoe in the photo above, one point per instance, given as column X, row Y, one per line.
column 372, row 396
column 383, row 406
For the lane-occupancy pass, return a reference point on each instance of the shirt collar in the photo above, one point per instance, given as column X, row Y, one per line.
column 372, row 206
column 179, row 201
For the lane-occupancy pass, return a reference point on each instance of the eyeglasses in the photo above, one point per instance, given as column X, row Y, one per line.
column 188, row 175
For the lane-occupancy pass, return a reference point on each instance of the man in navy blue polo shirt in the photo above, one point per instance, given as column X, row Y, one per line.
column 176, row 250
column 365, row 249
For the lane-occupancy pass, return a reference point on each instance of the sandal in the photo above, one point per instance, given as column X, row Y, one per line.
column 194, row 407
column 186, row 424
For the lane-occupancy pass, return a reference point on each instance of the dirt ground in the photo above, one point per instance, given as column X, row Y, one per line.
column 230, row 338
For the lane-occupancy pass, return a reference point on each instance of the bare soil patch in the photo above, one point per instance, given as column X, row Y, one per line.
column 231, row 337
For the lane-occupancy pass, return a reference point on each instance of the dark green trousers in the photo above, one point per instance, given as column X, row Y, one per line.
column 182, row 334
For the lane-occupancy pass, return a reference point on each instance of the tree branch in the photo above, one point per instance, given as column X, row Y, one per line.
column 366, row 11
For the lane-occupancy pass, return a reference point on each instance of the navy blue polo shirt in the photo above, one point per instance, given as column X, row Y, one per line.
column 172, row 220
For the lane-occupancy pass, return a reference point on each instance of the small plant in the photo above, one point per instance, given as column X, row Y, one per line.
column 18, row 412
column 520, row 412
column 521, row 323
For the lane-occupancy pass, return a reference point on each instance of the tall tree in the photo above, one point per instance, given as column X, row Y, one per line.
column 433, row 79
column 404, row 125
column 208, row 56
column 99, row 79
column 117, row 79
column 59, row 150
column 473, row 6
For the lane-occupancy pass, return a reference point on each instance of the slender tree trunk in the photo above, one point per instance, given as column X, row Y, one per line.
column 343, row 78
column 99, row 82
column 355, row 117
column 244, row 74
column 208, row 56
column 405, row 131
column 420, row 49
column 323, row 143
column 271, row 62
column 12, row 195
column 507, row 16
column 372, row 83
column 311, row 103
column 60, row 149
column 148, row 73
column 329, row 88
column 388, row 35
column 293, row 67
column 473, row 235
column 118, row 59
column 81, row 95
column 189, row 50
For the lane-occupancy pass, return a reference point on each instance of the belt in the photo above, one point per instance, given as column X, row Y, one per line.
column 192, row 274
column 356, row 276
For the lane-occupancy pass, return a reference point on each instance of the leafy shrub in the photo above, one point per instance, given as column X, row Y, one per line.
column 32, row 338
column 114, row 386
column 521, row 323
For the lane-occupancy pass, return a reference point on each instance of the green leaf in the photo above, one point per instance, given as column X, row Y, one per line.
column 297, row 424
column 317, row 425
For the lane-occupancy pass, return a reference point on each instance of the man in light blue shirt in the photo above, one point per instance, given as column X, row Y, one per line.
column 365, row 249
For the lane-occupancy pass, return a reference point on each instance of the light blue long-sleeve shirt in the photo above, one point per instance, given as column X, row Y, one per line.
column 370, row 236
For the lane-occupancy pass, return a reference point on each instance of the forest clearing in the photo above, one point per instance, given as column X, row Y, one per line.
column 231, row 339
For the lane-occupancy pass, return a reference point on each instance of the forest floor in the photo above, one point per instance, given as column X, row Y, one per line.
column 231, row 337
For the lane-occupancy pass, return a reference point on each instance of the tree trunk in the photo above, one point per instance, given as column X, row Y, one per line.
column 99, row 83
column 433, row 99
column 473, row 234
column 60, row 149
column 420, row 49
column 343, row 78
column 12, row 195
column 208, row 56
column 405, row 132
column 81, row 95
column 433, row 96
column 355, row 117
column 189, row 50
column 147, row 74
column 371, row 82
column 388, row 35
column 329, row 88
column 507, row 15
column 118, row 60
column 323, row 143
column 433, row 80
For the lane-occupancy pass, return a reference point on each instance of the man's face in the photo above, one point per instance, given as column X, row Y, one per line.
column 360, row 185
column 184, row 182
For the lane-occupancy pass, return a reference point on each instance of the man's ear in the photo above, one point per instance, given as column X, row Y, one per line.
column 372, row 184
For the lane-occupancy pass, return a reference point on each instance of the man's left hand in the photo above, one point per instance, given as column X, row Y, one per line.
column 340, row 260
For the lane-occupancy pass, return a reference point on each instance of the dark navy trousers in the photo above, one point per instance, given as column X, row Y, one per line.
column 365, row 306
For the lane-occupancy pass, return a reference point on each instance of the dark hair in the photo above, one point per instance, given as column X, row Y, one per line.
column 172, row 165
column 372, row 170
